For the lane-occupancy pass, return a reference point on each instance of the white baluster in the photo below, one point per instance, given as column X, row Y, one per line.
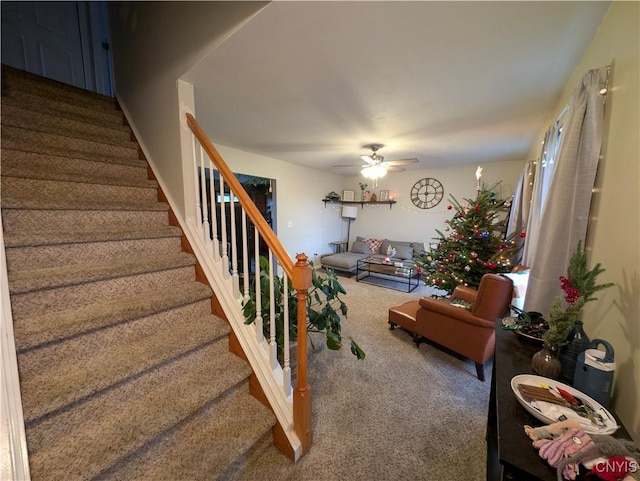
column 234, row 247
column 259, row 327
column 245, row 257
column 206, row 236
column 286, row 371
column 273, row 346
column 195, row 181
column 223, row 227
column 214, row 217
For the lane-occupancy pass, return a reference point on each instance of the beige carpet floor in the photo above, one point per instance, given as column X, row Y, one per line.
column 404, row 413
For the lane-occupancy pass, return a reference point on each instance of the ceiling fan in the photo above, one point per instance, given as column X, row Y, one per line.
column 376, row 167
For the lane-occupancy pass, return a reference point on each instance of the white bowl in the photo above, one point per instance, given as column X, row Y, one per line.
column 610, row 424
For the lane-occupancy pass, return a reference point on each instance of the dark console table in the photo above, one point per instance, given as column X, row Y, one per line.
column 510, row 455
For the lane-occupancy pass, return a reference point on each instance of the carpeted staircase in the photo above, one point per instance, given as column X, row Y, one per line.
column 125, row 372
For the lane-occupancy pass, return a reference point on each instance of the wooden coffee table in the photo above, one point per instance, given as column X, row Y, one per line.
column 396, row 274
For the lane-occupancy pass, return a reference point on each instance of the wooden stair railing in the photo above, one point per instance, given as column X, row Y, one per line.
column 299, row 272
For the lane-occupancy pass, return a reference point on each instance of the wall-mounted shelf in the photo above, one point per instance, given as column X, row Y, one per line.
column 362, row 203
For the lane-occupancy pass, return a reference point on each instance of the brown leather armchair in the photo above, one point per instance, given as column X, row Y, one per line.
column 470, row 333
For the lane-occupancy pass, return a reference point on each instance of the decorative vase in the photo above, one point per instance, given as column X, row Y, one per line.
column 545, row 363
column 578, row 341
column 362, row 197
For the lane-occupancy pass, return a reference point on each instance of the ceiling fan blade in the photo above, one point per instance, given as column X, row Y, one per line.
column 393, row 168
column 401, row 161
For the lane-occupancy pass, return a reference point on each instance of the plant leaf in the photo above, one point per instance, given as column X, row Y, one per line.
column 334, row 341
column 357, row 351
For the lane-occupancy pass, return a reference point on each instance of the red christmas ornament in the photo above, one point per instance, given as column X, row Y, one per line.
column 476, row 208
column 449, row 207
column 522, row 235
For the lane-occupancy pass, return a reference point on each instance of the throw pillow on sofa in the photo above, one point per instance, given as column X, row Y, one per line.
column 404, row 252
column 374, row 245
column 360, row 247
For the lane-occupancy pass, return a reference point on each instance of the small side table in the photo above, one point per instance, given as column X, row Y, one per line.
column 339, row 246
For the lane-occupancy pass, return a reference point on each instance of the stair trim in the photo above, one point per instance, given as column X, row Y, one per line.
column 14, row 462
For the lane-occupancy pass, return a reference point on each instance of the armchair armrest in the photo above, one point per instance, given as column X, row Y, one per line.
column 444, row 308
column 465, row 293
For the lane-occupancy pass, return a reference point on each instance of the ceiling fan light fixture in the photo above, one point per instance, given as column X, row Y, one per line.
column 374, row 172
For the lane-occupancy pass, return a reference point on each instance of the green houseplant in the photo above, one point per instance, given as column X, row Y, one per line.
column 325, row 308
column 579, row 287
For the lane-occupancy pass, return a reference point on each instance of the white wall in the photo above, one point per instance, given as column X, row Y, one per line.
column 614, row 228
column 405, row 221
column 306, row 224
column 153, row 44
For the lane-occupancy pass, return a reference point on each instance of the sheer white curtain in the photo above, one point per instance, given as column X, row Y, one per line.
column 543, row 174
column 521, row 205
column 561, row 216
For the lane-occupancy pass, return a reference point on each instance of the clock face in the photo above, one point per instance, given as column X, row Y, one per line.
column 427, row 193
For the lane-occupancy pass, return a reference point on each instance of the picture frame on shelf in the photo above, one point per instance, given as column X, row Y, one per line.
column 384, row 195
column 348, row 195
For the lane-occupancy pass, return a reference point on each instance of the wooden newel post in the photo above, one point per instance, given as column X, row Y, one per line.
column 302, row 392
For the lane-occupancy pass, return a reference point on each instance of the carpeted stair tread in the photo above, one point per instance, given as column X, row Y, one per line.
column 27, row 119
column 32, row 165
column 53, row 144
column 71, row 204
column 207, row 445
column 45, row 188
column 115, row 425
column 28, row 82
column 53, row 106
column 103, row 290
column 16, row 219
column 85, row 250
column 55, row 277
column 62, row 112
column 47, row 194
column 51, row 326
column 24, row 238
column 59, row 375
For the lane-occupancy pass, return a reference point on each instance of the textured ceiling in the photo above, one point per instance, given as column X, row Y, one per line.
column 450, row 83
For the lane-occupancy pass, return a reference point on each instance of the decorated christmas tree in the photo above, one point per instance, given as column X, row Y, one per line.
column 474, row 247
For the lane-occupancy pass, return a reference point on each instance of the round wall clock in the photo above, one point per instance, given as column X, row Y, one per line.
column 427, row 193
